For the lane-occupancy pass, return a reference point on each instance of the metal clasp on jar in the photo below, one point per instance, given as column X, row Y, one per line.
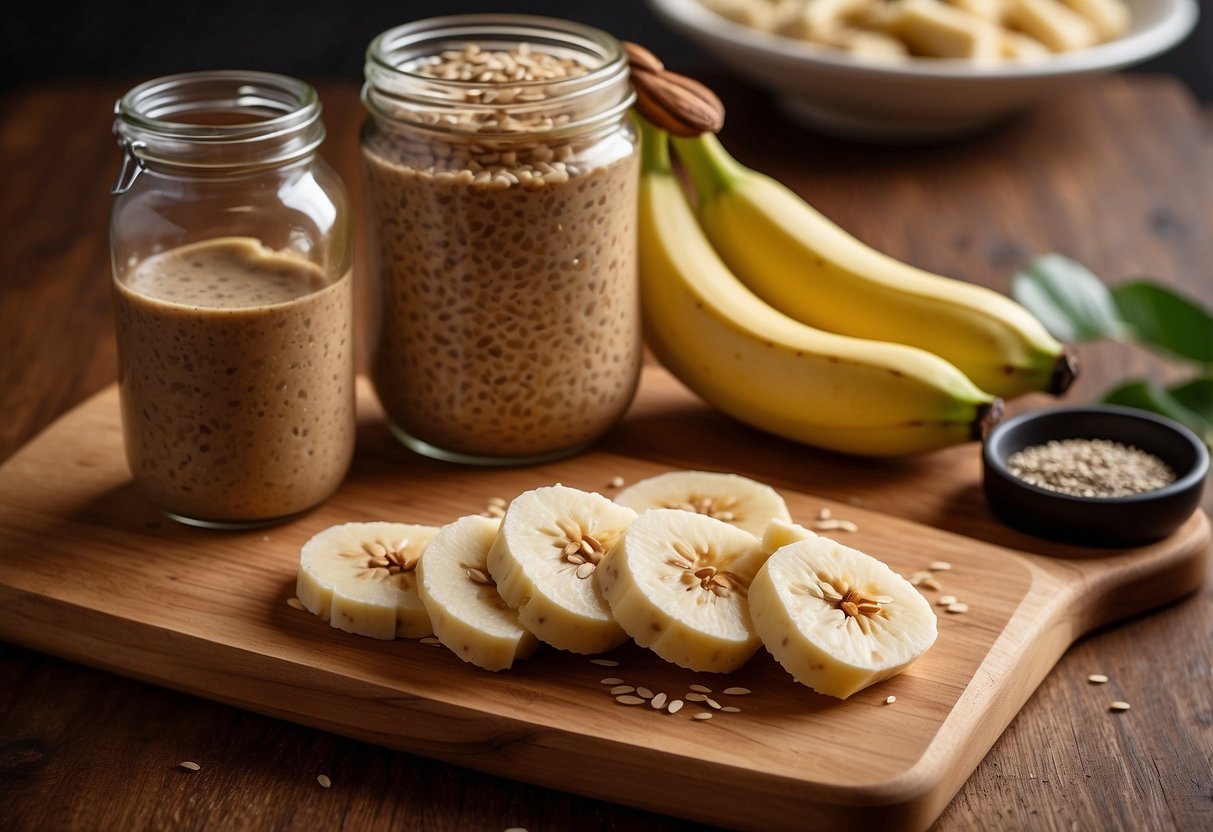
column 132, row 163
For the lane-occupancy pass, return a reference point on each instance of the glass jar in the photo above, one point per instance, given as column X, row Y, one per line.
column 233, row 298
column 500, row 164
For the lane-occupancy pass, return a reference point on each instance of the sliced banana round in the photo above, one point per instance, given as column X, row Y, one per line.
column 780, row 533
column 738, row 501
column 360, row 577
column 464, row 606
column 837, row 619
column 677, row 583
column 551, row 541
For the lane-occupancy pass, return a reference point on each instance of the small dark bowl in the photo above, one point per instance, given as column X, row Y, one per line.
column 1096, row 521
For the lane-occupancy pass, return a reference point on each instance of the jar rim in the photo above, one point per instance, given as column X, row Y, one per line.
column 146, row 105
column 271, row 119
column 381, row 71
column 482, row 25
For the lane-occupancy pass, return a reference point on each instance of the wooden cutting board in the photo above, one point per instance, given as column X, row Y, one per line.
column 89, row 572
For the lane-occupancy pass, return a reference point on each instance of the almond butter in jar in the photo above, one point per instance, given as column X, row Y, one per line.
column 501, row 175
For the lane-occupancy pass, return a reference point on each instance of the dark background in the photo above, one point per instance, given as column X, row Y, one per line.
column 323, row 39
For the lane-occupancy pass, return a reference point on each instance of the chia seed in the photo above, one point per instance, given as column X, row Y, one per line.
column 1090, row 468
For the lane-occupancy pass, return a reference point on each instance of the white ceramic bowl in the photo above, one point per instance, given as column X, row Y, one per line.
column 921, row 98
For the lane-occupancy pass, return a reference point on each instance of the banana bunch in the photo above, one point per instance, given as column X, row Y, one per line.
column 784, row 321
column 774, row 372
column 804, row 265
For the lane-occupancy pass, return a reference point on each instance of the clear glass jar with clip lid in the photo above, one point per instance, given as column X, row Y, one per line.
column 233, row 298
column 501, row 174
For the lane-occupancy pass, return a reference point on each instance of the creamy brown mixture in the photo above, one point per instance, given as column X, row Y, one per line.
column 510, row 324
column 236, row 378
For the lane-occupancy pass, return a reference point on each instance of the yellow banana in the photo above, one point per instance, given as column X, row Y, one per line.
column 803, row 264
column 765, row 369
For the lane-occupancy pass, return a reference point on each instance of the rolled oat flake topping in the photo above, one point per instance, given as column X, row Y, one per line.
column 1090, row 468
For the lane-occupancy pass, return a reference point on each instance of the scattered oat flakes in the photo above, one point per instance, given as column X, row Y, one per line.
column 610, row 680
column 1097, row 679
column 946, row 600
column 645, row 692
column 605, row 662
column 939, row 566
column 695, row 697
column 890, row 699
column 1120, row 706
column 189, row 765
column 958, row 607
column 430, row 640
column 658, row 701
column 701, row 689
column 616, row 482
column 711, row 703
column 516, row 829
column 324, row 780
column 730, row 709
column 702, row 715
column 619, row 690
column 824, row 514
column 737, row 691
column 295, row 604
column 628, row 699
column 498, row 501
column 675, row 706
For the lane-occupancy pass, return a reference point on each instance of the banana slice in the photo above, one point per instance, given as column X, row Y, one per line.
column 736, row 500
column 677, row 584
column 780, row 533
column 837, row 619
column 547, row 550
column 360, row 578
column 468, row 614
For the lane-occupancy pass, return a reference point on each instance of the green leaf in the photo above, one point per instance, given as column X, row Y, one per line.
column 1196, row 395
column 1143, row 394
column 1071, row 302
column 1161, row 319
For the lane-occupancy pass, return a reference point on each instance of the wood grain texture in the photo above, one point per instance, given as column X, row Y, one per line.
column 1118, row 174
column 220, row 627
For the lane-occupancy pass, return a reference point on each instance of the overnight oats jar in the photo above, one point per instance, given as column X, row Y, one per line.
column 233, row 298
column 501, row 173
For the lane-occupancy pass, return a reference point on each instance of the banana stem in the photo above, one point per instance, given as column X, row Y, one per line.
column 654, row 148
column 1064, row 373
column 711, row 167
column 988, row 415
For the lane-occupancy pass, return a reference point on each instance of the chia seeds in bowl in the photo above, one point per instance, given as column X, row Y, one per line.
column 1073, row 447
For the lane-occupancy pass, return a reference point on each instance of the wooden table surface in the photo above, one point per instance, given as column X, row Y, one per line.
column 1118, row 174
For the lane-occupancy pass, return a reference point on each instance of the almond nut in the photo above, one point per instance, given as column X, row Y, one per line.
column 677, row 104
column 641, row 58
